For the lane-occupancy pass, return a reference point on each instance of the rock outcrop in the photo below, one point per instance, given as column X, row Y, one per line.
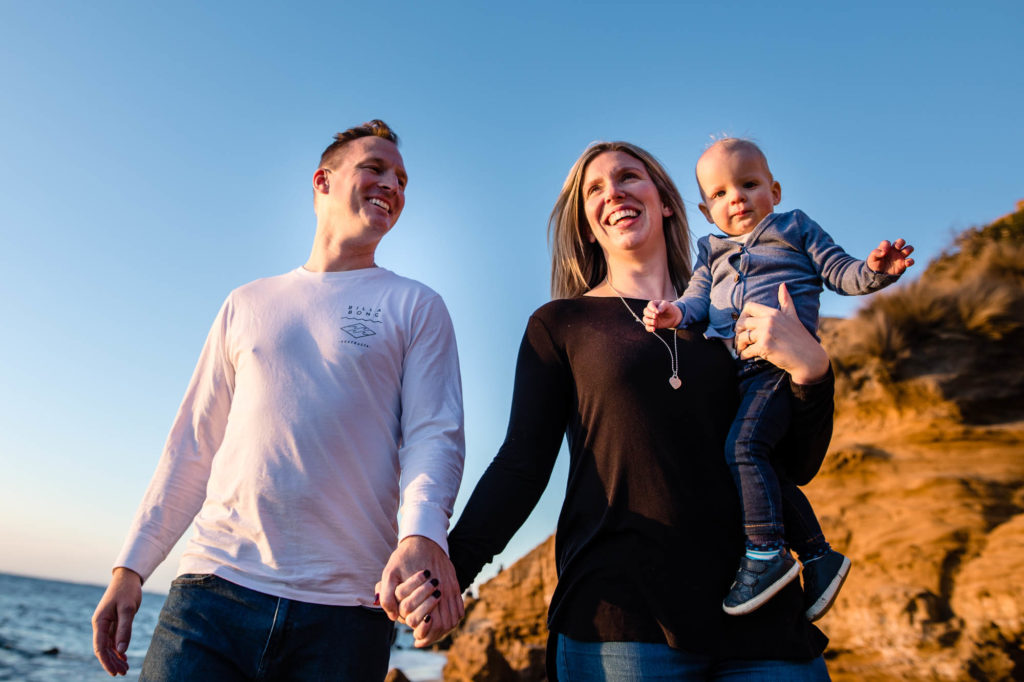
column 396, row 675
column 924, row 483
column 504, row 635
column 923, row 487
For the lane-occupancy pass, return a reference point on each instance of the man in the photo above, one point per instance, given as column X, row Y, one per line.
column 321, row 397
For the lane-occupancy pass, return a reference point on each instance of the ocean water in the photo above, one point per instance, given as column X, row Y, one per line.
column 46, row 636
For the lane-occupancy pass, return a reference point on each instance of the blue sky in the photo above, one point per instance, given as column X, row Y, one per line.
column 152, row 158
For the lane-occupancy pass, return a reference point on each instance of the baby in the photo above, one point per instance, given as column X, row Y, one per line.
column 759, row 251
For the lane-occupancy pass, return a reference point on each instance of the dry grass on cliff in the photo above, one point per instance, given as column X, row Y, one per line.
column 962, row 316
column 986, row 305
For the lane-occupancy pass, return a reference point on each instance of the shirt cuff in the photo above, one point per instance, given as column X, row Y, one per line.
column 683, row 322
column 140, row 556
column 426, row 520
column 880, row 280
column 809, row 392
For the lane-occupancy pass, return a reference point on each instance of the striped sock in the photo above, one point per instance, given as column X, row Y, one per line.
column 763, row 555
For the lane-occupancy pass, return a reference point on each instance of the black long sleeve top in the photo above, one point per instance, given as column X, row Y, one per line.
column 649, row 536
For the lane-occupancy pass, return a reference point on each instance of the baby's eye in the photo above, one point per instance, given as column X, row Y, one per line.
column 717, row 195
column 750, row 184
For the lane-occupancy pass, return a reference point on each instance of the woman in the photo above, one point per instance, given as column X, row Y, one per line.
column 651, row 522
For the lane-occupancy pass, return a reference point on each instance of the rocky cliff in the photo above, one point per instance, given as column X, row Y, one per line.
column 504, row 634
column 923, row 487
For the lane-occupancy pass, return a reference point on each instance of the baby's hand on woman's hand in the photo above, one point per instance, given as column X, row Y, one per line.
column 891, row 259
column 661, row 314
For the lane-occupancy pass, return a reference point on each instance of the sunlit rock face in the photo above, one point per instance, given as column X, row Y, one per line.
column 504, row 635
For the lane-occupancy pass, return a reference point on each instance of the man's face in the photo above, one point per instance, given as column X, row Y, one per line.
column 738, row 189
column 366, row 187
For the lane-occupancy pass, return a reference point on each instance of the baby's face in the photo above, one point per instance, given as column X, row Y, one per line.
column 738, row 189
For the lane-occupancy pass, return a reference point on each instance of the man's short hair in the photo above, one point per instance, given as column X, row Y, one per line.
column 374, row 128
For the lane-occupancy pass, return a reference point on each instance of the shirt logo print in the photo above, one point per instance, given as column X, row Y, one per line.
column 358, row 330
column 364, row 313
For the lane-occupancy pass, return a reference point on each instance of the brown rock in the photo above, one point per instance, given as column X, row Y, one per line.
column 504, row 635
column 396, row 675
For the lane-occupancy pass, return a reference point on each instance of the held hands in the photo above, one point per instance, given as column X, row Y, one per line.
column 661, row 314
column 780, row 337
column 417, row 598
column 112, row 620
column 419, row 588
column 891, row 259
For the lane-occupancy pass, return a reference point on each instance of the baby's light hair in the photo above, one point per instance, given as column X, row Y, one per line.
column 729, row 144
column 738, row 143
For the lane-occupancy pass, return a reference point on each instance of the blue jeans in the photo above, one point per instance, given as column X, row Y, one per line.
column 643, row 661
column 211, row 629
column 773, row 508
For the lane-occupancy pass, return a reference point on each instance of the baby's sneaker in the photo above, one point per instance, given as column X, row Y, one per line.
column 757, row 581
column 822, row 579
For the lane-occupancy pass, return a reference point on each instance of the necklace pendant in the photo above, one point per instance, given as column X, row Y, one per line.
column 675, row 382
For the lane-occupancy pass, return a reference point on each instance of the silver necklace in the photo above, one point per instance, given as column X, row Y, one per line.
column 673, row 353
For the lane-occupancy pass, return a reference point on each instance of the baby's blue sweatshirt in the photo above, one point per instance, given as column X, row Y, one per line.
column 784, row 247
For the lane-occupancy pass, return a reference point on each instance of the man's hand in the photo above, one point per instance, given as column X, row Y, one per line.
column 661, row 314
column 891, row 259
column 423, row 561
column 112, row 620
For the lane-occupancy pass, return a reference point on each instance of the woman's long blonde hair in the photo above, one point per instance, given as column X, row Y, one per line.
column 577, row 264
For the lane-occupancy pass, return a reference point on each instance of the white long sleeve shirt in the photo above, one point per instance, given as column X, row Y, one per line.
column 319, row 399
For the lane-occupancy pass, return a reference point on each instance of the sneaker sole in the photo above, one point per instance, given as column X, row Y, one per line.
column 828, row 597
column 758, row 601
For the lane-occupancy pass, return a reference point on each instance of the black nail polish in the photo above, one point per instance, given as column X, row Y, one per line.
column 426, row 573
column 435, row 582
column 436, row 594
column 426, row 618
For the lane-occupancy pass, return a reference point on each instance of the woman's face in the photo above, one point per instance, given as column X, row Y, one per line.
column 622, row 204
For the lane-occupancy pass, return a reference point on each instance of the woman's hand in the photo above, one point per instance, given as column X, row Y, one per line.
column 417, row 602
column 779, row 337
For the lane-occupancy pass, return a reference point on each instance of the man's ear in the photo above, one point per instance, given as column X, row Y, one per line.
column 704, row 209
column 320, row 183
column 776, row 193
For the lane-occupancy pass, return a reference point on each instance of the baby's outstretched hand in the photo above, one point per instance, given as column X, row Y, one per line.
column 661, row 314
column 891, row 259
